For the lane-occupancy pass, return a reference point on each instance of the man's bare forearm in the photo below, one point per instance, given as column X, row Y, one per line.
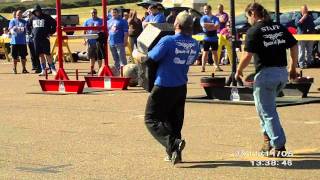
column 294, row 57
column 211, row 26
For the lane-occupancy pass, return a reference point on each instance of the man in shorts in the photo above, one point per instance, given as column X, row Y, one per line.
column 94, row 52
column 17, row 27
column 210, row 24
column 42, row 26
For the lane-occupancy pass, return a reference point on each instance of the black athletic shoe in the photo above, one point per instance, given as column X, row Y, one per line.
column 93, row 72
column 38, row 71
column 176, row 154
column 25, row 71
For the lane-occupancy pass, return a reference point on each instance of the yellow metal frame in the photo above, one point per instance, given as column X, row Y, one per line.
column 67, row 53
column 3, row 49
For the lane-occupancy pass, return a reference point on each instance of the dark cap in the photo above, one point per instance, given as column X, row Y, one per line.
column 37, row 8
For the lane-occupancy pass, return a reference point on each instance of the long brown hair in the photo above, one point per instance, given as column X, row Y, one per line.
column 259, row 11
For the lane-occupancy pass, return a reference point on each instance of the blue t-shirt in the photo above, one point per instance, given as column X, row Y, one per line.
column 18, row 31
column 307, row 27
column 210, row 36
column 93, row 22
column 117, row 29
column 157, row 18
column 174, row 54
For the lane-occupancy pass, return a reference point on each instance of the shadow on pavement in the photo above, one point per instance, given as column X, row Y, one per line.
column 47, row 169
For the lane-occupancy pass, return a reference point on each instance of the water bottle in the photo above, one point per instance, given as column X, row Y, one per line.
column 61, row 87
column 234, row 95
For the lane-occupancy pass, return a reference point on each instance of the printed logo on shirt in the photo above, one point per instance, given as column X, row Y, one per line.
column 38, row 23
column 184, row 49
column 20, row 28
column 185, row 45
column 273, row 38
column 93, row 24
column 115, row 26
column 177, row 60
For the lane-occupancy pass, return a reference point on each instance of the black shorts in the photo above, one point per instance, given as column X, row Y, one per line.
column 19, row 50
column 42, row 46
column 207, row 45
column 95, row 51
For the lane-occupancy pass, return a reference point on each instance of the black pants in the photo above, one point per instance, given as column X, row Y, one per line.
column 34, row 58
column 101, row 50
column 165, row 113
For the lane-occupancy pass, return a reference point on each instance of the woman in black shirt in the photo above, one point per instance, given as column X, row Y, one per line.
column 267, row 42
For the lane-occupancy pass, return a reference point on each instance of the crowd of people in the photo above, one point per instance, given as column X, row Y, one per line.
column 124, row 29
column 33, row 32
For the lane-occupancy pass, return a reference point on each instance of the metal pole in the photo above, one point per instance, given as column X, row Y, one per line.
column 277, row 6
column 105, row 29
column 59, row 33
column 233, row 45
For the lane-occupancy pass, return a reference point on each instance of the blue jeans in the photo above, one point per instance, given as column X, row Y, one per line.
column 305, row 46
column 268, row 83
column 119, row 55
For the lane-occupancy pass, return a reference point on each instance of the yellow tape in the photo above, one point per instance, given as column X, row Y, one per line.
column 307, row 37
column 299, row 37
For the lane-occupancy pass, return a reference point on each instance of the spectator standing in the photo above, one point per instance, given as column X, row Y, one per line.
column 222, row 16
column 42, row 26
column 305, row 25
column 29, row 38
column 125, row 16
column 155, row 16
column 210, row 25
column 225, row 40
column 94, row 54
column 118, row 38
column 17, row 27
column 172, row 16
column 135, row 29
column 6, row 35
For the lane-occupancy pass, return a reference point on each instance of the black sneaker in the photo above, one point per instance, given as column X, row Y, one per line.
column 176, row 154
column 14, row 70
column 25, row 71
column 93, row 72
column 38, row 71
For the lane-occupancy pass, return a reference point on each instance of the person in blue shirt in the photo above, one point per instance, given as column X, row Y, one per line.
column 305, row 25
column 164, row 114
column 93, row 47
column 210, row 24
column 17, row 27
column 118, row 38
column 155, row 16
